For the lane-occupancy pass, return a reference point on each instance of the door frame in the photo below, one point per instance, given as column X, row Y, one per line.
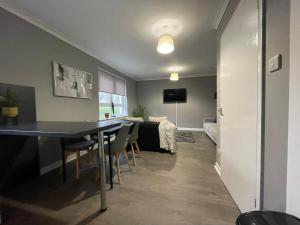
column 261, row 4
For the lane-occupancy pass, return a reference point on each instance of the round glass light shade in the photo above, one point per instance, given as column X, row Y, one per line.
column 165, row 44
column 174, row 77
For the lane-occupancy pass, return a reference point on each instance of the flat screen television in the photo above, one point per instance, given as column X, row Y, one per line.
column 175, row 95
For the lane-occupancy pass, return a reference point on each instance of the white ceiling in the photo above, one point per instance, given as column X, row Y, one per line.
column 120, row 32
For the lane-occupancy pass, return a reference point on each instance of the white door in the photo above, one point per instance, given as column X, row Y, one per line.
column 240, row 94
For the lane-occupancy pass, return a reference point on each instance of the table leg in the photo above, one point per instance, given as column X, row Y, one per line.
column 101, row 167
column 110, row 163
column 62, row 143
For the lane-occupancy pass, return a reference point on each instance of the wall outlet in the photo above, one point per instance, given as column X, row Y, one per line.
column 275, row 63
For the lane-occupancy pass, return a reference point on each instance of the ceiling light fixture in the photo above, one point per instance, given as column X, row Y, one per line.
column 165, row 43
column 174, row 77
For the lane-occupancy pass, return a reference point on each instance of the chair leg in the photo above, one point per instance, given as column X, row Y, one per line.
column 138, row 148
column 127, row 159
column 133, row 154
column 90, row 153
column 77, row 164
column 98, row 177
column 66, row 155
column 118, row 167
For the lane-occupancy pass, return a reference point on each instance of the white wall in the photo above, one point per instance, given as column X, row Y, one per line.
column 293, row 170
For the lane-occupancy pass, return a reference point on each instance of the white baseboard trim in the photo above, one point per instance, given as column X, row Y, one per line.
column 218, row 168
column 190, row 129
column 57, row 164
column 50, row 167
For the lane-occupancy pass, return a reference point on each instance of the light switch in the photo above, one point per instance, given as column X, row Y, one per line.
column 275, row 63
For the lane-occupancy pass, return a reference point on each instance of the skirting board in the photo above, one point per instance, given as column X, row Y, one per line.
column 218, row 168
column 190, row 129
column 55, row 165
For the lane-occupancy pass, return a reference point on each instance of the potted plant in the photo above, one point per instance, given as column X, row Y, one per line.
column 9, row 103
column 139, row 111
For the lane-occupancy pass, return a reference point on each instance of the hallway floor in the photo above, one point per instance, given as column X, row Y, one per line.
column 180, row 189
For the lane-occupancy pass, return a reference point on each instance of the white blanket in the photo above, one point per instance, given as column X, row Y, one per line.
column 167, row 135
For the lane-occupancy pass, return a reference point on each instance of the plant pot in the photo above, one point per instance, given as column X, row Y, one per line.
column 10, row 111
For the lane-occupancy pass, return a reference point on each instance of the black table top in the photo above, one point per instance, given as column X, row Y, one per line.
column 58, row 129
column 117, row 128
column 112, row 130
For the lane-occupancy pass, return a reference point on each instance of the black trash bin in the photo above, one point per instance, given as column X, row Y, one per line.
column 267, row 218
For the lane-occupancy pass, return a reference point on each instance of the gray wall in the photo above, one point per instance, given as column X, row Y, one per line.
column 276, row 106
column 200, row 100
column 26, row 56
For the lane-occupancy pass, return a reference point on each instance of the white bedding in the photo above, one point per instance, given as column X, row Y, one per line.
column 211, row 130
column 167, row 136
column 157, row 119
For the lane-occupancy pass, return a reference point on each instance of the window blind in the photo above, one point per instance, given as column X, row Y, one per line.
column 111, row 84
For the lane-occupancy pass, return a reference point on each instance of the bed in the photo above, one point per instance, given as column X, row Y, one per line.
column 210, row 128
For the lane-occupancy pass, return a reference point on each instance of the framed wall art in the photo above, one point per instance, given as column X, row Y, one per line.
column 71, row 82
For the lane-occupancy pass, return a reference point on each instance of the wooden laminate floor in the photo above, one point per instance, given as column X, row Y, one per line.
column 181, row 189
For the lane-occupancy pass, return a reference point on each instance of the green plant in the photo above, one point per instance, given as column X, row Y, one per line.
column 9, row 99
column 139, row 111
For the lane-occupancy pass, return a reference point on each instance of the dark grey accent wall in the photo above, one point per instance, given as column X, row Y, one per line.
column 276, row 106
column 26, row 56
column 200, row 100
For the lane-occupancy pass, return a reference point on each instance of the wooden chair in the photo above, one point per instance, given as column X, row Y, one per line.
column 77, row 146
column 118, row 147
column 133, row 141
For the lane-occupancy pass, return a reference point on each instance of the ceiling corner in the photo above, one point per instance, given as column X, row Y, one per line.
column 221, row 10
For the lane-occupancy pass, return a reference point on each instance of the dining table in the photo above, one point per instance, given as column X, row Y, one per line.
column 62, row 130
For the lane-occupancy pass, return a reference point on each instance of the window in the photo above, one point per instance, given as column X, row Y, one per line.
column 112, row 96
column 115, row 105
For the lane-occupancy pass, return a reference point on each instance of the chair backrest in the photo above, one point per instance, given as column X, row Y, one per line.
column 135, row 132
column 121, row 139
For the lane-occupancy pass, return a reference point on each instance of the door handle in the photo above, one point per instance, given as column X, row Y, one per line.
column 220, row 110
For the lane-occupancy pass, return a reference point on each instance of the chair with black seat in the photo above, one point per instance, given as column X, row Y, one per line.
column 133, row 141
column 77, row 145
column 118, row 146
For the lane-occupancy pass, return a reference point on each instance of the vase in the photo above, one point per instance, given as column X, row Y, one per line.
column 10, row 111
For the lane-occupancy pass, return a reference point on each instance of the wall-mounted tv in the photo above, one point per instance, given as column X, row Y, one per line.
column 174, row 95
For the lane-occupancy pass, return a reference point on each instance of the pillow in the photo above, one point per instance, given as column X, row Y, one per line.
column 129, row 118
column 157, row 119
